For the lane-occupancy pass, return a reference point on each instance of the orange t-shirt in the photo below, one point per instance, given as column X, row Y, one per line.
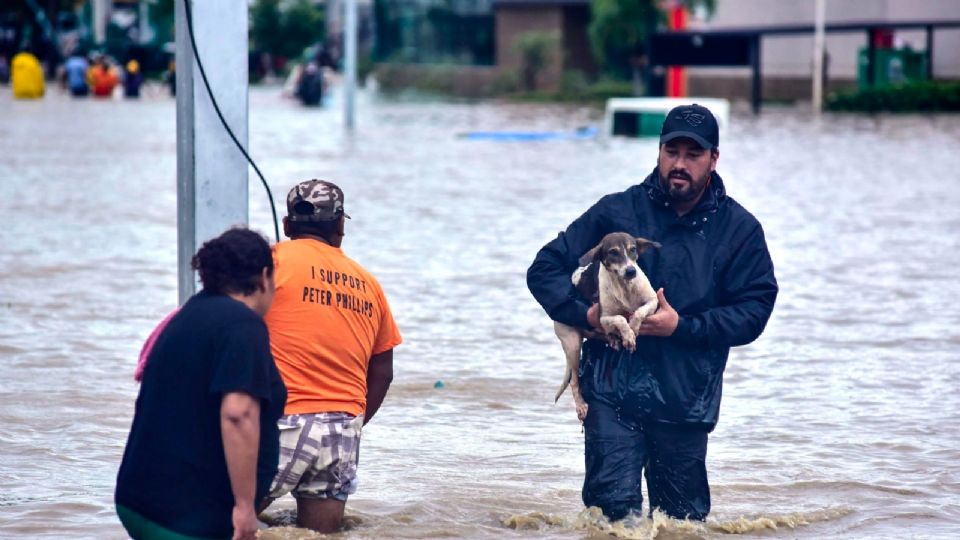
column 328, row 318
column 103, row 81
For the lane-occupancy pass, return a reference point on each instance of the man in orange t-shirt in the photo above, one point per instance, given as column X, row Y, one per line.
column 332, row 335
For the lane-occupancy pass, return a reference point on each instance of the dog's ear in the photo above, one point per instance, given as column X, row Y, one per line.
column 643, row 244
column 593, row 255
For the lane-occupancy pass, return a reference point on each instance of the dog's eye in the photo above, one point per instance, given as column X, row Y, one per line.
column 633, row 251
column 614, row 252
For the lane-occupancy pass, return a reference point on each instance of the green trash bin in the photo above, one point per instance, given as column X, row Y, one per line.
column 892, row 67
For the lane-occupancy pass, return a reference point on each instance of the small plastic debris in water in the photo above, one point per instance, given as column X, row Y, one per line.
column 438, row 384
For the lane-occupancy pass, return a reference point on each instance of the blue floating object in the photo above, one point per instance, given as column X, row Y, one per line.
column 525, row 136
column 438, row 384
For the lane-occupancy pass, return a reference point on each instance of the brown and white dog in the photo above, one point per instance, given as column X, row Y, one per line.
column 609, row 275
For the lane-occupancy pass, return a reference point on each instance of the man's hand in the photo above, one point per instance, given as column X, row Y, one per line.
column 662, row 323
column 244, row 522
column 593, row 317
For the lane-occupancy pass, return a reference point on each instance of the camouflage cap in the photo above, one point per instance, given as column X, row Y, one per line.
column 315, row 200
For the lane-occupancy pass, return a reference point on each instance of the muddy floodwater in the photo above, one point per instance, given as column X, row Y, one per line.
column 841, row 421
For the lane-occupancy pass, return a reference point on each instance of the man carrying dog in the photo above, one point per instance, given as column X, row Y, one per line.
column 332, row 335
column 650, row 411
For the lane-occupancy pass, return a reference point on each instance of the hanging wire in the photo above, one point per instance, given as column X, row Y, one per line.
column 216, row 107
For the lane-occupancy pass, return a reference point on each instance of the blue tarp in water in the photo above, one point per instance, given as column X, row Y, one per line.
column 580, row 133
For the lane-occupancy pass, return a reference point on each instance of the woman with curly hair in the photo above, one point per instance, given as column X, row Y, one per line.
column 203, row 447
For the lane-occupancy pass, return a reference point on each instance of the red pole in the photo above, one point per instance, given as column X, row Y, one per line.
column 676, row 76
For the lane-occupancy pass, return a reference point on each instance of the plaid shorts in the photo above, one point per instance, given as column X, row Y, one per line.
column 318, row 456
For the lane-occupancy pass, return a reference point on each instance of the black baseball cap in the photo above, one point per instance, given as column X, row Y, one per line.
column 693, row 122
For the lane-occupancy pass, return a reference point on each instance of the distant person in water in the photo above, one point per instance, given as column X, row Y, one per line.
column 310, row 85
column 102, row 77
column 203, row 447
column 170, row 77
column 26, row 77
column 76, row 68
column 132, row 79
column 4, row 70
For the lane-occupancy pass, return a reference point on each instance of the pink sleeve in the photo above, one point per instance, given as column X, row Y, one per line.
column 148, row 345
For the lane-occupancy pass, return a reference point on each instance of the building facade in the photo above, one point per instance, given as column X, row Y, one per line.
column 787, row 61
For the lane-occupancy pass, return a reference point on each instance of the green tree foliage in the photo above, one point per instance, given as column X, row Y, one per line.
column 285, row 28
column 535, row 50
column 302, row 26
column 265, row 26
column 619, row 28
column 163, row 17
column 281, row 27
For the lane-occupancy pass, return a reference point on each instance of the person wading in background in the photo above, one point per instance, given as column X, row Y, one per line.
column 332, row 335
column 132, row 79
column 203, row 447
column 102, row 77
column 649, row 412
column 76, row 74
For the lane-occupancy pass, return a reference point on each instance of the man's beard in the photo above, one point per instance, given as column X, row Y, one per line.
column 687, row 193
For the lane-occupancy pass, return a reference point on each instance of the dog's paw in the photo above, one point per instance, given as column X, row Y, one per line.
column 613, row 340
column 630, row 342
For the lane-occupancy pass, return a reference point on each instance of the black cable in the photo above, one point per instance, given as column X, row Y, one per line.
column 203, row 75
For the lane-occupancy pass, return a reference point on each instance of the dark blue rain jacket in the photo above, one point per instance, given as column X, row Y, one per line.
column 715, row 270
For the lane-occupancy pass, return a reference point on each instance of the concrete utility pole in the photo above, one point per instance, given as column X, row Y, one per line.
column 143, row 29
column 101, row 8
column 819, row 44
column 212, row 189
column 350, row 62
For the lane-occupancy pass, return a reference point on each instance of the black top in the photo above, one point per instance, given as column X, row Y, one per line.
column 174, row 471
column 715, row 270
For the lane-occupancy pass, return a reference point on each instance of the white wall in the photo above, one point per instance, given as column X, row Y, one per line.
column 792, row 56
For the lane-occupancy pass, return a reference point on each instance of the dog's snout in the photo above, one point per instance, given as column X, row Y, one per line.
column 630, row 272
